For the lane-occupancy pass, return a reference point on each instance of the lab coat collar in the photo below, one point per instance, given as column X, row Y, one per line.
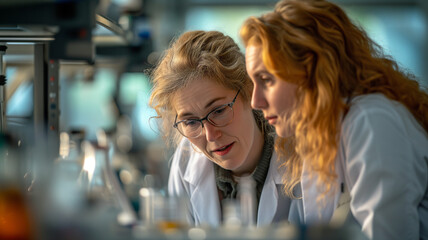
column 204, row 194
column 269, row 197
column 276, row 170
column 197, row 160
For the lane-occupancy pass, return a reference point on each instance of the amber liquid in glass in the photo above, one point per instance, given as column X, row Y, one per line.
column 15, row 222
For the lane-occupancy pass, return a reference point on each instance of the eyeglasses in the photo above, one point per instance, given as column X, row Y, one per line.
column 219, row 117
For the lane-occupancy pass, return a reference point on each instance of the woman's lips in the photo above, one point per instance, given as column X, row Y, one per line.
column 223, row 150
column 271, row 120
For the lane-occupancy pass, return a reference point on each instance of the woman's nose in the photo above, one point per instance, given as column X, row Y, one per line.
column 212, row 133
column 258, row 100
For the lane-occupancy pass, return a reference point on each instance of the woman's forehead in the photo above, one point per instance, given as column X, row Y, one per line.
column 199, row 96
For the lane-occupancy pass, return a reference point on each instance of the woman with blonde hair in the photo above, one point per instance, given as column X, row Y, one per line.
column 346, row 115
column 202, row 94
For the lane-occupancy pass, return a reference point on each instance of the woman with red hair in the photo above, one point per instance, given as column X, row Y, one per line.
column 349, row 119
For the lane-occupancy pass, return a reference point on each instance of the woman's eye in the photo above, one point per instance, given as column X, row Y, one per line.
column 266, row 79
column 219, row 111
column 190, row 122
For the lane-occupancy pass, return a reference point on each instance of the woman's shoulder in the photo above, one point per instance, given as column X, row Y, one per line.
column 379, row 113
column 373, row 101
column 376, row 105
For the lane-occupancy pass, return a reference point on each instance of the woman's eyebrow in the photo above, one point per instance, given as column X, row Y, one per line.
column 213, row 101
column 209, row 104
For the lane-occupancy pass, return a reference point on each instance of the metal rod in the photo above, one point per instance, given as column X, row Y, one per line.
column 3, row 48
column 39, row 91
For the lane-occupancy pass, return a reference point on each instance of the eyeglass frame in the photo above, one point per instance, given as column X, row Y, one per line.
column 175, row 125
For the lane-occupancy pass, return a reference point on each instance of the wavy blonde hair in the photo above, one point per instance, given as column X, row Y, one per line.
column 192, row 56
column 339, row 61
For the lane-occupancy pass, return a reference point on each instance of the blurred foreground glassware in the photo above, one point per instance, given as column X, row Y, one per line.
column 247, row 199
column 127, row 215
column 15, row 216
column 168, row 213
column 162, row 212
column 231, row 214
column 241, row 212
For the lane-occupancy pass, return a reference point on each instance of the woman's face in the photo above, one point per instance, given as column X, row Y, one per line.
column 274, row 96
column 236, row 146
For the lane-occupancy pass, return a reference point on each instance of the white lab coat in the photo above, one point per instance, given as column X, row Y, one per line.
column 192, row 175
column 383, row 161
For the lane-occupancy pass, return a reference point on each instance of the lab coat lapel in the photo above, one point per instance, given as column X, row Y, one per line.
column 269, row 196
column 204, row 195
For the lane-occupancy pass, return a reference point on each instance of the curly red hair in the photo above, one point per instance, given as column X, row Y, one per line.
column 340, row 61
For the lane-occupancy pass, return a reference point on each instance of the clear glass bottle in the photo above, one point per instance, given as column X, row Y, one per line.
column 248, row 201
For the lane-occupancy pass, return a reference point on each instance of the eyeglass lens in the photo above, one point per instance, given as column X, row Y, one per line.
column 218, row 117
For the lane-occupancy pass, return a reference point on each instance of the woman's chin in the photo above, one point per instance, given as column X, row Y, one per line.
column 282, row 132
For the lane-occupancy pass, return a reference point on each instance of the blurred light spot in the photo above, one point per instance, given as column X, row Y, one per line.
column 125, row 176
column 89, row 162
column 124, row 143
column 197, row 233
